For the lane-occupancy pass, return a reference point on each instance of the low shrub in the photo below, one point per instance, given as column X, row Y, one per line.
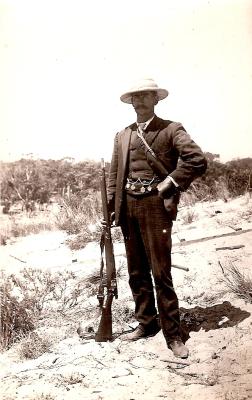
column 22, row 225
column 16, row 316
column 79, row 212
column 80, row 216
column 46, row 290
column 33, row 295
column 93, row 234
column 33, row 345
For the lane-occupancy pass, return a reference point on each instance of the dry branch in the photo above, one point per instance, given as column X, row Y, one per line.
column 239, row 246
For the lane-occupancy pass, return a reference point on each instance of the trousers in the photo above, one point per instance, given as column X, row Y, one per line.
column 146, row 227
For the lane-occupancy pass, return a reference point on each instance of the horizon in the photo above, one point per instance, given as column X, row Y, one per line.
column 70, row 159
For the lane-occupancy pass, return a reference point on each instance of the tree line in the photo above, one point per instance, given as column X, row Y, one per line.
column 37, row 181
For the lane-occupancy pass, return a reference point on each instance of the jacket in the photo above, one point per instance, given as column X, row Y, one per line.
column 182, row 157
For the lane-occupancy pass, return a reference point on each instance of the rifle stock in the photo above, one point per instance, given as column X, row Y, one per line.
column 108, row 280
column 104, row 332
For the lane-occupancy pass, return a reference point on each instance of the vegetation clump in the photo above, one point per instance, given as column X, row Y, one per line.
column 237, row 282
column 16, row 317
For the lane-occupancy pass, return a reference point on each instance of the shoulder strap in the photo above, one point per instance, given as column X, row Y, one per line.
column 140, row 135
column 152, row 159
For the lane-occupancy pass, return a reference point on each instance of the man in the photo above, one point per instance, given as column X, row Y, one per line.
column 143, row 200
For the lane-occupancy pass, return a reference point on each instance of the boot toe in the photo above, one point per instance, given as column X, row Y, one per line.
column 179, row 349
column 141, row 332
column 138, row 333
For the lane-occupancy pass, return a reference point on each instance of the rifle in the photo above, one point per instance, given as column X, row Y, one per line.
column 108, row 285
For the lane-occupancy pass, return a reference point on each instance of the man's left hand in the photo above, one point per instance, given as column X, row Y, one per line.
column 166, row 188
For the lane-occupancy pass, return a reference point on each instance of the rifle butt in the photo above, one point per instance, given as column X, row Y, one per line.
column 104, row 332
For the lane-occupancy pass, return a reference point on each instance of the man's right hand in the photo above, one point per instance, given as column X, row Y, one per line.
column 112, row 220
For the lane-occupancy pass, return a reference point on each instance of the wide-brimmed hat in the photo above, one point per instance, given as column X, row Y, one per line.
column 145, row 85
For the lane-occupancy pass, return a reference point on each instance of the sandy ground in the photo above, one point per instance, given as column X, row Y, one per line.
column 218, row 324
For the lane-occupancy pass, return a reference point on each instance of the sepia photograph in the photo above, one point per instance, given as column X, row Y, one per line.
column 126, row 200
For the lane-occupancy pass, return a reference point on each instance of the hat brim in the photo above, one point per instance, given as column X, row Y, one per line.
column 127, row 97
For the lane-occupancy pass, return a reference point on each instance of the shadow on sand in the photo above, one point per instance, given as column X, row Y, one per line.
column 215, row 317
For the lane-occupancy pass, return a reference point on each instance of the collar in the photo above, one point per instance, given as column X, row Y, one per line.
column 144, row 125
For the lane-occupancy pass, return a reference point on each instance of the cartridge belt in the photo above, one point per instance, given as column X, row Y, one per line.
column 141, row 186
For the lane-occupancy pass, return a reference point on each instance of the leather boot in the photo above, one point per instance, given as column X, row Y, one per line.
column 178, row 348
column 141, row 332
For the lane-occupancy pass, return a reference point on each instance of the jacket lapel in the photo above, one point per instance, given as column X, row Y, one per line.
column 125, row 145
column 156, row 124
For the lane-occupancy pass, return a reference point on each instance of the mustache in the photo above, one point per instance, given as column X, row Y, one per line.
column 140, row 106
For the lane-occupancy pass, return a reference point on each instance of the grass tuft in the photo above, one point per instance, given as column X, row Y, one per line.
column 238, row 283
column 189, row 216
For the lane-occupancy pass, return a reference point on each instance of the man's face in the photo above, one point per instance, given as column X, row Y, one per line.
column 144, row 102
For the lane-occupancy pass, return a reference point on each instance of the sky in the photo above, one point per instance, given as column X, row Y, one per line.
column 64, row 65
